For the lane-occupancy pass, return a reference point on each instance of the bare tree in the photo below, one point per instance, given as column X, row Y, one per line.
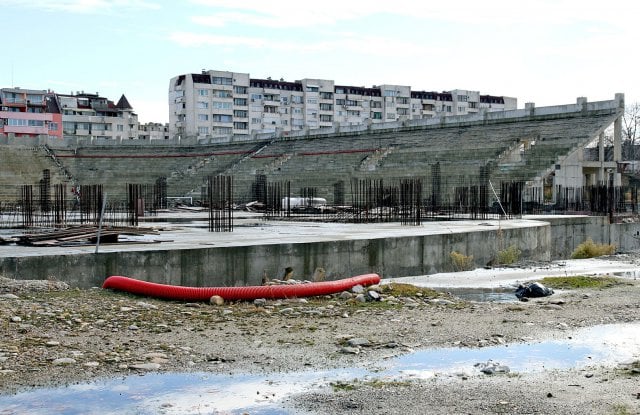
column 630, row 124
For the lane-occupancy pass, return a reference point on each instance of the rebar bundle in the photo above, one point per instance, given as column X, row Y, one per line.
column 220, row 201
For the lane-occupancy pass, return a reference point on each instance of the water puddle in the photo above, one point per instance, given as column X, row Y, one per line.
column 200, row 393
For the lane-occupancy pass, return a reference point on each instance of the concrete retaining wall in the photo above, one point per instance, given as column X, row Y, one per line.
column 569, row 232
column 549, row 238
column 246, row 265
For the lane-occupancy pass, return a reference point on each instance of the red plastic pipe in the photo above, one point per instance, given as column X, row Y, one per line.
column 176, row 292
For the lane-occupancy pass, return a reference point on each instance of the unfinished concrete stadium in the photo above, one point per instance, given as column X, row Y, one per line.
column 394, row 198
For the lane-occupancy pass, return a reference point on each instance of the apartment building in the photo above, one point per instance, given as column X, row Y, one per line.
column 87, row 115
column 219, row 103
column 29, row 113
column 153, row 131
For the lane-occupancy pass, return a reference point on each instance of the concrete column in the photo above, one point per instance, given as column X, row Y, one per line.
column 617, row 139
column 617, row 149
column 601, row 177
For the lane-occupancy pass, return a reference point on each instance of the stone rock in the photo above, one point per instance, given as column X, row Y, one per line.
column 91, row 364
column 361, row 298
column 216, row 300
column 146, row 306
column 52, row 343
column 16, row 319
column 9, row 297
column 345, row 295
column 357, row 289
column 350, row 350
column 287, row 310
column 145, row 366
column 64, row 361
column 374, row 295
column 358, row 342
column 126, row 309
column 490, row 368
column 226, row 312
column 260, row 302
column 133, row 327
column 155, row 355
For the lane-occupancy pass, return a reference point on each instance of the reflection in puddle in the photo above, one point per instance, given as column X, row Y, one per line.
column 628, row 274
column 199, row 393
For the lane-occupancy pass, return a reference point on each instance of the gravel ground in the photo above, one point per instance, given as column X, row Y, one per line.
column 53, row 335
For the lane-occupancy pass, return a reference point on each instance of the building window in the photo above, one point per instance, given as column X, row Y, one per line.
column 463, row 98
column 240, row 125
column 222, row 105
column 391, row 116
column 312, row 101
column 53, row 126
column 223, row 130
column 326, row 107
column 353, row 113
column 221, row 118
column 351, row 103
column 325, row 118
column 240, row 89
column 120, row 127
column 256, row 97
column 376, row 115
column 340, row 91
column 220, row 80
column 296, row 99
column 218, row 93
column 202, row 105
column 241, row 102
column 203, row 130
column 256, row 120
column 461, row 109
column 340, row 101
column 326, row 95
column 390, row 93
column 203, row 92
column 403, row 111
column 203, row 117
column 17, row 123
column 240, row 113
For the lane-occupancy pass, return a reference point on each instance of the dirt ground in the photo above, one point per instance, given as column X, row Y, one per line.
column 52, row 335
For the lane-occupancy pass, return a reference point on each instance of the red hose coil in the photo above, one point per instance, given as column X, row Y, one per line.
column 176, row 292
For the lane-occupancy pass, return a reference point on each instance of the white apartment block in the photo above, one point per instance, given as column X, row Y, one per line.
column 153, row 131
column 92, row 116
column 219, row 103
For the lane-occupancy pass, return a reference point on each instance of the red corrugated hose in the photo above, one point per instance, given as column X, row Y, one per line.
column 280, row 291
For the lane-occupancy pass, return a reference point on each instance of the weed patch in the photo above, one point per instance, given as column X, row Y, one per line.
column 580, row 281
column 590, row 249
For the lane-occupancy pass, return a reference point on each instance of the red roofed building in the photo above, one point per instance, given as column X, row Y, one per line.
column 29, row 113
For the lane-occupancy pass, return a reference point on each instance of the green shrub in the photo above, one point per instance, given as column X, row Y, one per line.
column 461, row 262
column 590, row 249
column 508, row 256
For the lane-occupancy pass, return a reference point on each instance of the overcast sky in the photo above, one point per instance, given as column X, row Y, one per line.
column 547, row 52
